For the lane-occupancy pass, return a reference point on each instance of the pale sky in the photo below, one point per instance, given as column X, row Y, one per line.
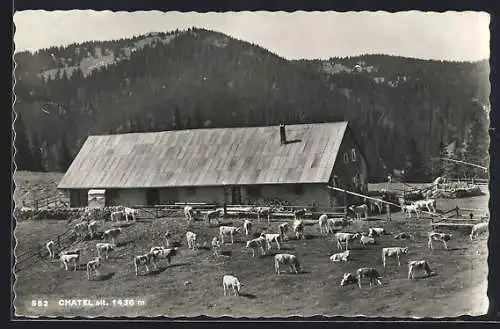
column 461, row 36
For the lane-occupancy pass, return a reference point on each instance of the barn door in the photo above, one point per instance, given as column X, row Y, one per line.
column 235, row 195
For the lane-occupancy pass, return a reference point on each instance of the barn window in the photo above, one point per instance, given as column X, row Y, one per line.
column 190, row 191
column 253, row 191
column 353, row 155
column 298, row 189
column 346, row 157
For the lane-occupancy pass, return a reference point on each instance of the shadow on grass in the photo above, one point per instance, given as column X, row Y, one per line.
column 144, row 220
column 287, row 248
column 226, row 253
column 159, row 270
column 203, row 248
column 247, row 295
column 422, row 277
column 178, row 264
column 122, row 225
column 457, row 248
column 105, row 277
column 124, row 243
column 311, row 237
column 293, row 273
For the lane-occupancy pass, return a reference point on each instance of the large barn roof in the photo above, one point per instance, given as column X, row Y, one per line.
column 207, row 157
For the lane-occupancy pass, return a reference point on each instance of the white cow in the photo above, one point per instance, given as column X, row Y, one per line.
column 411, row 208
column 418, row 265
column 298, row 228
column 143, row 260
column 81, row 229
column 247, row 225
column 376, row 204
column 286, row 259
column 323, row 224
column 364, row 240
column 216, row 245
column 94, row 266
column 104, row 248
column 50, row 247
column 336, row 223
column 70, row 258
column 191, row 240
column 341, row 256
column 163, row 253
column 393, row 252
column 270, row 237
column 345, row 238
column 189, row 213
column 130, row 212
column 440, row 237
column 231, row 282
column 478, row 229
column 263, row 211
column 359, row 211
column 403, row 235
column 117, row 215
column 348, row 278
column 112, row 233
column 377, row 231
column 228, row 231
column 256, row 243
column 429, row 204
column 283, row 231
column 92, row 227
column 369, row 273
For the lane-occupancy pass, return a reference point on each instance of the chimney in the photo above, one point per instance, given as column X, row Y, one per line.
column 282, row 134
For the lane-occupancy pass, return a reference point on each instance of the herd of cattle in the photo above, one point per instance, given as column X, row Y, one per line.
column 263, row 242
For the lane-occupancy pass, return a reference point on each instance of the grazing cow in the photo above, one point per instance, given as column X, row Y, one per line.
column 284, row 230
column 411, row 208
column 93, row 266
column 345, row 238
column 393, row 252
column 270, row 237
column 430, row 204
column 403, row 235
column 70, row 258
column 191, row 240
column 348, row 278
column 298, row 228
column 336, row 223
column 376, row 204
column 189, row 213
column 418, row 265
column 286, row 259
column 216, row 245
column 366, row 239
column 231, row 282
column 50, row 247
column 323, row 222
column 92, row 227
column 117, row 215
column 478, row 229
column 377, row 231
column 441, row 237
column 167, row 237
column 228, row 231
column 264, row 211
column 81, row 229
column 247, row 225
column 163, row 253
column 341, row 256
column 130, row 212
column 369, row 273
column 112, row 233
column 214, row 214
column 359, row 211
column 104, row 247
column 256, row 243
column 143, row 260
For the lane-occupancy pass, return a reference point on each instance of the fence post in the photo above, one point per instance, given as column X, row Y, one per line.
column 58, row 242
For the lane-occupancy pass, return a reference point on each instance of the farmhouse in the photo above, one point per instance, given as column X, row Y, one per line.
column 232, row 165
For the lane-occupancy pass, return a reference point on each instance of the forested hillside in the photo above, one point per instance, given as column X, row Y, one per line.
column 404, row 111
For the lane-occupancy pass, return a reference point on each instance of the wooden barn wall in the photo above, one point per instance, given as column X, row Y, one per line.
column 78, row 198
column 347, row 171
